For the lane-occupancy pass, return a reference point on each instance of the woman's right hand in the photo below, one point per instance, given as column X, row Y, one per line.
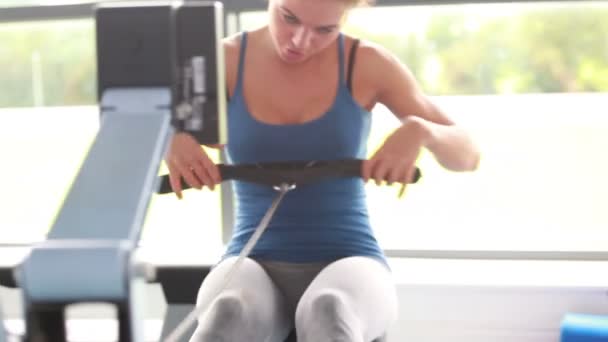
column 187, row 159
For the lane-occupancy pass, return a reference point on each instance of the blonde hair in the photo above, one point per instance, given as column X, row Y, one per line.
column 355, row 3
column 359, row 3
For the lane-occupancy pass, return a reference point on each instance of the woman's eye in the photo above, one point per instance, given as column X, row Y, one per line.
column 290, row 19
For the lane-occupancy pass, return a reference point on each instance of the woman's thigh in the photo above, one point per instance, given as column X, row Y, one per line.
column 363, row 288
column 249, row 308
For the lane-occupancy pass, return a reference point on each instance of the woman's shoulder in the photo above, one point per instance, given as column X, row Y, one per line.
column 231, row 46
column 368, row 53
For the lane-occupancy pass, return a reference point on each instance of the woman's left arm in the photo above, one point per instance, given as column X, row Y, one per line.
column 424, row 123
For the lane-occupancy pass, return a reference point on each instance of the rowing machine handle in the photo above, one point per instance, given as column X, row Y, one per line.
column 277, row 173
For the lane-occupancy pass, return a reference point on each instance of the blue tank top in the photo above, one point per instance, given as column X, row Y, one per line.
column 319, row 222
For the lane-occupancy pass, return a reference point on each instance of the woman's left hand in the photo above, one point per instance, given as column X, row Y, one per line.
column 395, row 160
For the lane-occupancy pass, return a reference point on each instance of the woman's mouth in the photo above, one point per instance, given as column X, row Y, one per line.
column 292, row 54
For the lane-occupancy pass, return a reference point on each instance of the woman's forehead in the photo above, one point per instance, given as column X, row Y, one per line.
column 314, row 12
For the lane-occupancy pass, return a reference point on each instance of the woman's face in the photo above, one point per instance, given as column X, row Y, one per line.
column 301, row 28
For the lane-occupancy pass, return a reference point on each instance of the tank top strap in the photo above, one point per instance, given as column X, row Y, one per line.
column 241, row 67
column 341, row 58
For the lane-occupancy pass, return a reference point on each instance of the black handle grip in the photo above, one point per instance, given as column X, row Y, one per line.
column 277, row 173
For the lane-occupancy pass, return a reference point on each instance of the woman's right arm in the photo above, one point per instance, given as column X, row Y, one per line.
column 186, row 158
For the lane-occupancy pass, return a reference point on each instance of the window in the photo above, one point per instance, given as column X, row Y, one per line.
column 529, row 81
column 49, row 63
column 16, row 3
column 48, row 120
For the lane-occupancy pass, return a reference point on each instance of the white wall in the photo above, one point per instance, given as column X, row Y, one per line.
column 481, row 314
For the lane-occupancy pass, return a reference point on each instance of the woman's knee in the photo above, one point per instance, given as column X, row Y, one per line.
column 328, row 304
column 229, row 308
column 223, row 315
column 327, row 316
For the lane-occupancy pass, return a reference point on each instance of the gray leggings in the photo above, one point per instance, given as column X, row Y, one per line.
column 352, row 299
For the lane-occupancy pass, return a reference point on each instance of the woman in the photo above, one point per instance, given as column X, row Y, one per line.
column 296, row 93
